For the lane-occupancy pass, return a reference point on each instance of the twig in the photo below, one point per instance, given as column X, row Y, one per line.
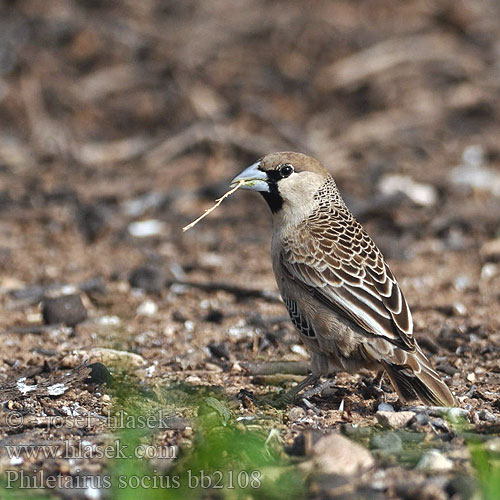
column 235, row 290
column 385, row 55
column 275, row 367
column 33, row 329
column 451, row 413
column 121, row 150
column 208, row 132
column 48, row 135
column 37, row 292
column 218, row 201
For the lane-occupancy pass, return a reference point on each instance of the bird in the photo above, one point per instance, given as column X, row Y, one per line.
column 339, row 290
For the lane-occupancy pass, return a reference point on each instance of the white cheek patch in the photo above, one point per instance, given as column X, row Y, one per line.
column 300, row 187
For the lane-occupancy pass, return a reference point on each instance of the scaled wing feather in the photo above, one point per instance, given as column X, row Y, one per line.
column 339, row 263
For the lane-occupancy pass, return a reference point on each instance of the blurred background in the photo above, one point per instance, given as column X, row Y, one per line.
column 119, row 111
column 122, row 120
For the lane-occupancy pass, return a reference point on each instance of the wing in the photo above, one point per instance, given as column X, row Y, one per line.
column 299, row 321
column 334, row 258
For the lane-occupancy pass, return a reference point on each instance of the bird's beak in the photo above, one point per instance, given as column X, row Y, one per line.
column 254, row 179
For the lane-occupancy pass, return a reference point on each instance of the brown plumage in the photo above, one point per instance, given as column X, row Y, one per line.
column 339, row 291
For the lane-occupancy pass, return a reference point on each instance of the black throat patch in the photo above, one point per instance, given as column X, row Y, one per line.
column 273, row 198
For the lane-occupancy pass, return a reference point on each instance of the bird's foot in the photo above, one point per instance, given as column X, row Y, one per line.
column 374, row 388
column 318, row 389
column 278, row 401
column 283, row 400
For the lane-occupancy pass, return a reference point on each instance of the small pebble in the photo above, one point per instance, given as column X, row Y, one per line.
column 296, row 413
column 112, row 357
column 298, row 349
column 419, row 193
column 477, row 177
column 151, row 369
column 336, row 454
column 57, row 389
column 93, row 493
column 34, row 317
column 298, row 447
column 91, row 221
column 462, row 282
column 149, row 278
column 219, row 350
column 491, row 250
column 147, row 228
column 214, row 316
column 99, row 374
column 387, row 443
column 473, row 155
column 422, row 418
column 212, row 367
column 141, row 204
column 108, row 320
column 393, row 419
column 385, row 407
column 459, row 309
column 464, row 485
column 489, row 270
column 493, row 445
column 433, row 460
column 240, row 331
column 67, row 309
column 147, row 308
column 487, row 416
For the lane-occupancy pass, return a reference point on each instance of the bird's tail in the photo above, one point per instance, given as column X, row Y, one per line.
column 416, row 379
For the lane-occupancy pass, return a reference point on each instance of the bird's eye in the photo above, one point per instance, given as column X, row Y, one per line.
column 286, row 170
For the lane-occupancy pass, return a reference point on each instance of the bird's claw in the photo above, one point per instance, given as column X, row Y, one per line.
column 278, row 401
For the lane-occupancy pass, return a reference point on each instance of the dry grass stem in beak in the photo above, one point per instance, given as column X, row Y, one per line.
column 217, row 203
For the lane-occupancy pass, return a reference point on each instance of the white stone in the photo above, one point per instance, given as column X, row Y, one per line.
column 147, row 228
column 24, row 388
column 489, row 270
column 421, row 194
column 335, row 454
column 296, row 413
column 394, row 420
column 433, row 460
column 109, row 320
column 299, row 349
column 57, row 389
column 108, row 357
column 147, row 308
column 385, row 407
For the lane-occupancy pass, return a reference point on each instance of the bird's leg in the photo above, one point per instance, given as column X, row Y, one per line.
column 317, row 389
column 377, row 382
column 373, row 388
column 289, row 397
